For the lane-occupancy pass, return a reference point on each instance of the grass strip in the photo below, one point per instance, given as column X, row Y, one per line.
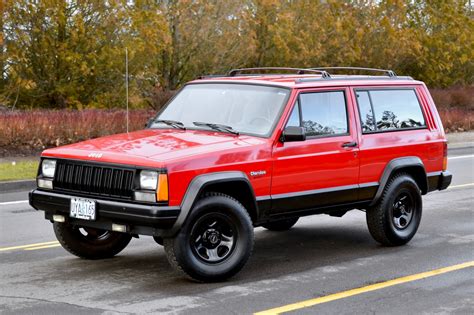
column 18, row 170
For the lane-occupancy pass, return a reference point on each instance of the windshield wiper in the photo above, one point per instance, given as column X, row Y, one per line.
column 218, row 127
column 172, row 123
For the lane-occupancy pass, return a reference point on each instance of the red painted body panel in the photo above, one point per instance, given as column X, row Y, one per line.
column 377, row 149
column 317, row 162
column 185, row 154
column 290, row 167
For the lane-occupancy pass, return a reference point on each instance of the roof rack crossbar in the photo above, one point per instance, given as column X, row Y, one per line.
column 389, row 73
column 210, row 76
column 353, row 78
column 324, row 74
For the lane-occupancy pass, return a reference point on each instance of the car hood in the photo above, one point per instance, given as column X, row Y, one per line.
column 146, row 147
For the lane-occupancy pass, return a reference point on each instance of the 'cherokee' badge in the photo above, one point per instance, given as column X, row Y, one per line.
column 257, row 173
column 95, row 155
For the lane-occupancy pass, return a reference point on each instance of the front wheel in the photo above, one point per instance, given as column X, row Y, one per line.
column 215, row 242
column 90, row 243
column 394, row 220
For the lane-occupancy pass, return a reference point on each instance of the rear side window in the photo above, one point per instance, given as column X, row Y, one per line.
column 384, row 110
column 323, row 113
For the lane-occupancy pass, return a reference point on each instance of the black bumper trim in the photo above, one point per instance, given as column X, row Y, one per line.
column 445, row 180
column 162, row 217
column 439, row 180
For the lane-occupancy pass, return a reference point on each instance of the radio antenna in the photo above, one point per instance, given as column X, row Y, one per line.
column 126, row 81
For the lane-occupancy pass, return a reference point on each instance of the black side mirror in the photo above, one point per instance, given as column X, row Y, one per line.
column 293, row 133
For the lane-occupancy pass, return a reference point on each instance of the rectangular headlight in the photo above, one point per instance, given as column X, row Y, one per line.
column 148, row 180
column 48, row 167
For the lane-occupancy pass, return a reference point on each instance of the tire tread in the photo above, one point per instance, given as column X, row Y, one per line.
column 169, row 242
column 376, row 215
column 111, row 250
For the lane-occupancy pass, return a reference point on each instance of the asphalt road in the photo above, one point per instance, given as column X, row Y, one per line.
column 320, row 256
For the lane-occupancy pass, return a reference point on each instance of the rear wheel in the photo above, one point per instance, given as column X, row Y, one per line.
column 281, row 225
column 215, row 242
column 90, row 243
column 394, row 220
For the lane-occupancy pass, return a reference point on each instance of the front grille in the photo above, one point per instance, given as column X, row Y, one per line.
column 93, row 179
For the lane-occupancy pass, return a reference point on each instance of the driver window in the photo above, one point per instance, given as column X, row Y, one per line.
column 324, row 113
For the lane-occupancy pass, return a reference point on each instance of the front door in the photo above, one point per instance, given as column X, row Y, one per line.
column 323, row 170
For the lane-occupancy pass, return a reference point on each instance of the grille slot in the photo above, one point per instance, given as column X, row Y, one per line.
column 103, row 180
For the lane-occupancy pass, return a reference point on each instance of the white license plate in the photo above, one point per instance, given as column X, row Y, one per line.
column 82, row 209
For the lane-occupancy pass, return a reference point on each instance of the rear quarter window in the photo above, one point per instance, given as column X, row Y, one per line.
column 387, row 110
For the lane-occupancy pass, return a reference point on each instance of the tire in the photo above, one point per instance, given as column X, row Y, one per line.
column 394, row 220
column 215, row 241
column 89, row 243
column 281, row 225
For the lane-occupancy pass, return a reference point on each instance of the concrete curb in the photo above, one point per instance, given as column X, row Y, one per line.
column 17, row 185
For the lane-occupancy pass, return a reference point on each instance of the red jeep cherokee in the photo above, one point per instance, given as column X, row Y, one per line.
column 229, row 153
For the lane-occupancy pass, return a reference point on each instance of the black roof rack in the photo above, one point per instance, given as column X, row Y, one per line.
column 389, row 73
column 353, row 78
column 211, row 76
column 323, row 71
column 324, row 74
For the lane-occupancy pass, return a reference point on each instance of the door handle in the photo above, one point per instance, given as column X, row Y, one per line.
column 349, row 144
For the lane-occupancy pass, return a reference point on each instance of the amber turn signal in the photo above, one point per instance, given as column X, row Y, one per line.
column 162, row 191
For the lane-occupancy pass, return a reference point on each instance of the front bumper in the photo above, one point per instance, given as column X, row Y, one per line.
column 139, row 218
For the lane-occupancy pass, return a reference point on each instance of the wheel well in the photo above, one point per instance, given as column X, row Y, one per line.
column 418, row 174
column 239, row 190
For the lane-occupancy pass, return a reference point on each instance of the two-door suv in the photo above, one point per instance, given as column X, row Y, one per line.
column 251, row 148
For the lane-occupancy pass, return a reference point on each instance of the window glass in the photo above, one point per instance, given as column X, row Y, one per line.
column 365, row 108
column 250, row 109
column 396, row 109
column 295, row 116
column 324, row 113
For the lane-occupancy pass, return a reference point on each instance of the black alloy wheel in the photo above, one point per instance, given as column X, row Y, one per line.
column 394, row 220
column 215, row 241
column 212, row 237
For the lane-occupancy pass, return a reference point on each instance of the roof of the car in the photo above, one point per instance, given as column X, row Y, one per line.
column 297, row 81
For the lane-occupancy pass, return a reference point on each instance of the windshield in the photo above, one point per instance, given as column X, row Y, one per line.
column 247, row 109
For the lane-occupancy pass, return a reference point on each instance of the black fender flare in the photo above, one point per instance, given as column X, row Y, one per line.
column 197, row 185
column 395, row 165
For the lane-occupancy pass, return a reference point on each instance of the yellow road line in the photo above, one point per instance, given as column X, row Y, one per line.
column 463, row 185
column 369, row 288
column 4, row 249
column 41, row 247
